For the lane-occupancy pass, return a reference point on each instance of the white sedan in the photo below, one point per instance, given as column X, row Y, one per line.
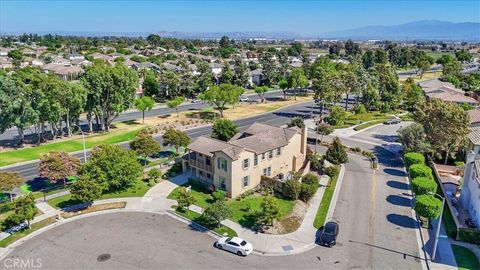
column 234, row 244
column 243, row 98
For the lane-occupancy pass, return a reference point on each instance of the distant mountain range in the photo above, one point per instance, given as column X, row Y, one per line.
column 418, row 30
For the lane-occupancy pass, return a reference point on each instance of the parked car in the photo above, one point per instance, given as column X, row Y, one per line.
column 196, row 100
column 329, row 234
column 243, row 98
column 470, row 223
column 393, row 121
column 235, row 245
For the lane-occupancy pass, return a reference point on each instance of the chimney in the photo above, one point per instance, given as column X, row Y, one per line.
column 303, row 144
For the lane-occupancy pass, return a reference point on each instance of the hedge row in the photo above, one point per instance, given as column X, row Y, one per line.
column 413, row 158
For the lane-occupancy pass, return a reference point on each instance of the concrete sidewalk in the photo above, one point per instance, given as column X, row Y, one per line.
column 444, row 259
column 301, row 240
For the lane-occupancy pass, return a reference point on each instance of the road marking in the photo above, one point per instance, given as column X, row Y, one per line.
column 372, row 218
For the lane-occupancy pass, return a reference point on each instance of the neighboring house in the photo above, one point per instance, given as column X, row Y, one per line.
column 66, row 73
column 59, row 60
column 470, row 193
column 238, row 165
column 446, row 92
column 80, row 62
column 145, row 65
column 37, row 62
column 474, row 117
column 255, row 77
column 75, row 56
column 172, row 67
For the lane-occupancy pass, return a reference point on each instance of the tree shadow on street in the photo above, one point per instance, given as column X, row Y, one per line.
column 402, row 220
column 399, row 200
column 398, row 185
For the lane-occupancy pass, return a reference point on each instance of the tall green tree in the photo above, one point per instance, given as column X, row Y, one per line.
column 143, row 104
column 111, row 90
column 446, row 126
column 241, row 72
column 215, row 213
column 113, row 167
column 25, row 208
column 174, row 103
column 16, row 108
column 144, row 145
column 222, row 95
column 269, row 69
column 58, row 166
column 86, row 189
column 169, row 84
column 9, row 181
column 176, row 138
column 150, row 85
column 388, row 87
column 185, row 198
column 412, row 94
column 73, row 101
column 260, row 91
column 336, row 153
column 297, row 79
column 224, row 129
column 227, row 75
column 413, row 138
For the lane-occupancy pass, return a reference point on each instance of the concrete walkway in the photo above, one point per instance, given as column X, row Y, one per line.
column 444, row 259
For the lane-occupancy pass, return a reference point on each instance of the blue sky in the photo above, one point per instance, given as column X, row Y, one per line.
column 305, row 17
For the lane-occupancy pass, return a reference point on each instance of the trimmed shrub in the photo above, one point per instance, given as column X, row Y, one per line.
column 413, row 158
column 428, row 206
column 218, row 195
column 424, row 185
column 359, row 109
column 12, row 220
column 420, row 170
column 308, row 187
column 292, row 188
column 336, row 153
column 332, row 171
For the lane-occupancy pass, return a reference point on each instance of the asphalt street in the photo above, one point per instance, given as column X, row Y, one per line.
column 373, row 210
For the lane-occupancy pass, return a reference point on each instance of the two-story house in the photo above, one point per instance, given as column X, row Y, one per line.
column 238, row 165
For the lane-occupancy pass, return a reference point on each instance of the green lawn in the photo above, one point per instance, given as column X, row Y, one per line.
column 369, row 124
column 325, row 204
column 465, row 258
column 244, row 211
column 32, row 153
column 194, row 216
column 202, row 199
column 356, row 119
column 14, row 237
column 137, row 190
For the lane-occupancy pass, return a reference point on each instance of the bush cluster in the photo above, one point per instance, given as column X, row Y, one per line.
column 308, row 187
column 413, row 158
column 420, row 170
column 424, row 185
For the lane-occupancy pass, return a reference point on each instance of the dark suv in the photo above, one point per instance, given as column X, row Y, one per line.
column 329, row 234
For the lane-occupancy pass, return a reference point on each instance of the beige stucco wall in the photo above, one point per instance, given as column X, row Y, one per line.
column 279, row 164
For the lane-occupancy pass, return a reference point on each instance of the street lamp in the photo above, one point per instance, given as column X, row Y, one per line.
column 437, row 233
column 83, row 140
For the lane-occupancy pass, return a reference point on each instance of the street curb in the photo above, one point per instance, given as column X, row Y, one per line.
column 338, row 185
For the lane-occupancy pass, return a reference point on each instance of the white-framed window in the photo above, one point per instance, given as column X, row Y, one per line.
column 255, row 160
column 221, row 164
column 270, row 154
column 279, row 151
column 245, row 181
column 263, row 156
column 246, row 163
column 267, row 171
